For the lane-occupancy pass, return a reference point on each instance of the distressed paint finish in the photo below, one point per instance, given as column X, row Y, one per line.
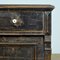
column 23, row 40
column 11, row 39
column 25, row 32
column 17, row 53
column 28, row 19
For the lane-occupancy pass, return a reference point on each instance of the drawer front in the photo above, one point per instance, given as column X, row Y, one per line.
column 21, row 39
column 21, row 20
column 27, row 48
column 17, row 53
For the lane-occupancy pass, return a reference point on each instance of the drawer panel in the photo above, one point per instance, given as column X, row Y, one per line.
column 21, row 21
column 17, row 53
column 25, row 43
column 21, row 39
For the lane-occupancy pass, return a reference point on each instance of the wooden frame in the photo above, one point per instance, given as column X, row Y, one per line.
column 21, row 45
column 27, row 31
column 45, row 31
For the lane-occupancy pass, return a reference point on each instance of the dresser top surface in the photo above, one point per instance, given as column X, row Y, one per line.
column 28, row 6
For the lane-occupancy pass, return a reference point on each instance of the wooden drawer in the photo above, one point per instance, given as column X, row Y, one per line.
column 32, row 48
column 14, row 52
column 21, row 20
column 21, row 39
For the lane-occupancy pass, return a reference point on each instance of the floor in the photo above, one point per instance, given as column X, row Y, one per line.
column 55, row 57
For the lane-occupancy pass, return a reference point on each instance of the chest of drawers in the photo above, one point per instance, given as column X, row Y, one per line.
column 25, row 32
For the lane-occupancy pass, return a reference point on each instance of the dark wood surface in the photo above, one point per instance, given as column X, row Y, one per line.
column 30, row 40
column 26, row 6
column 34, row 22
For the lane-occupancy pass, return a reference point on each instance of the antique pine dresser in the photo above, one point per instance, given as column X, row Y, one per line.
column 25, row 32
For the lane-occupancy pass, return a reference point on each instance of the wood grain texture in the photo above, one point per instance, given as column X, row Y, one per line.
column 30, row 40
column 27, row 6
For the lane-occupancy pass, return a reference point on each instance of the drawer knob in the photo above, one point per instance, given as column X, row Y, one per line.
column 17, row 22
